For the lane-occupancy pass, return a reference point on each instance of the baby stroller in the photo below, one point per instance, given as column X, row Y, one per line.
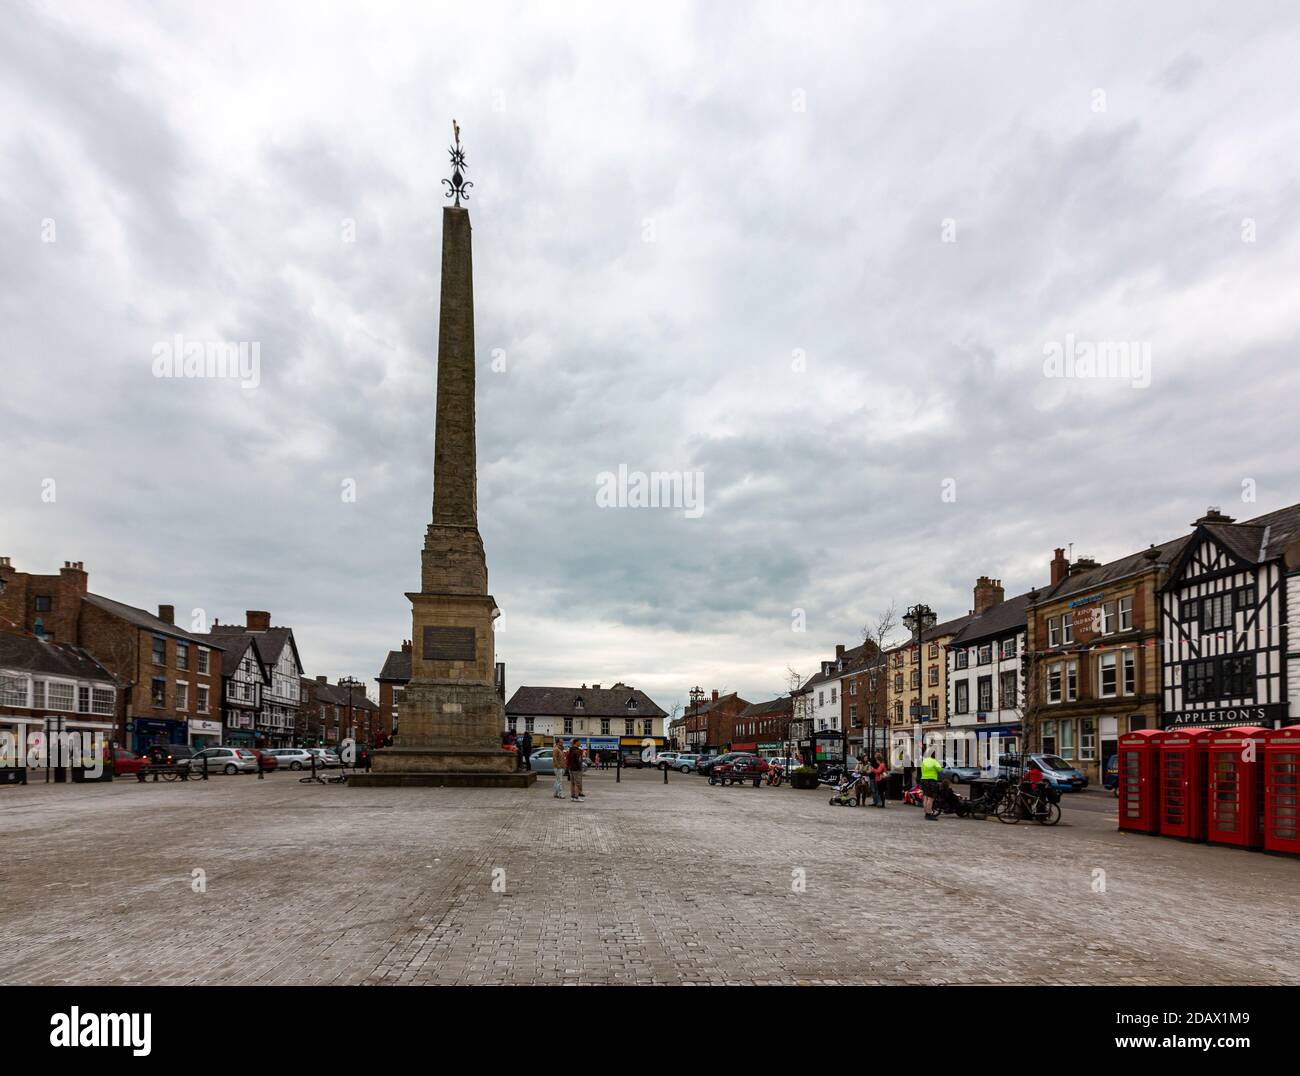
column 913, row 796
column 846, row 790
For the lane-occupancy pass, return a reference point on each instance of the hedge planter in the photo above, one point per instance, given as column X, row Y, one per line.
column 803, row 780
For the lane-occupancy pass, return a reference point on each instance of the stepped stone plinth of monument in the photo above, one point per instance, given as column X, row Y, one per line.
column 450, row 718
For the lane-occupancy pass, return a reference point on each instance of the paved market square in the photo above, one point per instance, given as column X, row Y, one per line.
column 238, row 881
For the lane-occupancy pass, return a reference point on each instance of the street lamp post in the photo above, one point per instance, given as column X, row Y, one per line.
column 918, row 620
column 350, row 683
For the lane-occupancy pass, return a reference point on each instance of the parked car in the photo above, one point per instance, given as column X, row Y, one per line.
column 295, row 758
column 737, row 768
column 169, row 754
column 1060, row 774
column 225, row 760
column 325, row 757
column 961, row 775
column 127, row 763
column 269, row 761
column 669, row 757
column 540, row 761
column 686, row 761
column 707, row 762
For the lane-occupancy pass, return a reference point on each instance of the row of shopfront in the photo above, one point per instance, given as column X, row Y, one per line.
column 630, row 748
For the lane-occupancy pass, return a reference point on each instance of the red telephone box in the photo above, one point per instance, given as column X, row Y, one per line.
column 1139, row 781
column 1184, row 773
column 1236, row 785
column 1282, row 790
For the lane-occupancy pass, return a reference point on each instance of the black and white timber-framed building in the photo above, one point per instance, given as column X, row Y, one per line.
column 1230, row 624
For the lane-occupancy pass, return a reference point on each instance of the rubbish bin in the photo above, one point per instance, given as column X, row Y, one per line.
column 894, row 786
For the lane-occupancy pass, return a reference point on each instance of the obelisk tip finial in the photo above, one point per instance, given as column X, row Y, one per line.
column 456, row 186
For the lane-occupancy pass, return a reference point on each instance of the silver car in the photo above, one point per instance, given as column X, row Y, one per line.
column 224, row 760
column 295, row 758
column 685, row 762
column 540, row 761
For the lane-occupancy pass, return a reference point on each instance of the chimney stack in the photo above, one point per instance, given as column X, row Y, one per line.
column 988, row 593
column 167, row 614
column 839, row 650
column 257, row 620
column 1213, row 515
column 1083, row 564
column 322, row 679
column 406, row 646
column 1060, row 567
column 73, row 574
column 715, row 694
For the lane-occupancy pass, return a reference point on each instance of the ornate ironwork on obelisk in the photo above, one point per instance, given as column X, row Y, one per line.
column 450, row 718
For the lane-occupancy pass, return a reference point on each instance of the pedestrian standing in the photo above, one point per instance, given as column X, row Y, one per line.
column 557, row 763
column 930, row 770
column 574, row 762
column 528, row 750
column 863, row 787
column 878, row 772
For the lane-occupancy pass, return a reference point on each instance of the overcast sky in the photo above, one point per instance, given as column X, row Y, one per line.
column 816, row 254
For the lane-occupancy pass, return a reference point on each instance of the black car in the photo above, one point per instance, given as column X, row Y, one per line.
column 169, row 754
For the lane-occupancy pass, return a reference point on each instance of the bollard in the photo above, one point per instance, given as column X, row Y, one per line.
column 155, row 775
column 261, row 776
column 205, row 767
column 664, row 766
column 618, row 769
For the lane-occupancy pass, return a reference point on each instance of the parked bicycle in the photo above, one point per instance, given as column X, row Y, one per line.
column 1041, row 802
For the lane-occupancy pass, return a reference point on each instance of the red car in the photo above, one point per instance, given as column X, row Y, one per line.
column 127, row 763
column 269, row 761
column 739, row 769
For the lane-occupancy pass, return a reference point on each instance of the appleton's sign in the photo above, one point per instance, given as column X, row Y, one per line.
column 1227, row 717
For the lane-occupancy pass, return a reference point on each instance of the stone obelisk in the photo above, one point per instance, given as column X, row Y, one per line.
column 450, row 718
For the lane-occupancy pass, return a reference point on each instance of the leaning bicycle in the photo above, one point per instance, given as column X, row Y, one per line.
column 1042, row 805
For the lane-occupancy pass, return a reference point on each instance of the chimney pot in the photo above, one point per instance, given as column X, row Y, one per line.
column 406, row 646
column 715, row 694
column 1060, row 567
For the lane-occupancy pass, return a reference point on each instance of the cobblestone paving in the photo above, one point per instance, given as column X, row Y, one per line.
column 640, row 884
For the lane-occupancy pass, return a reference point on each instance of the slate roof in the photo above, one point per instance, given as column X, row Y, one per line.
column 336, row 695
column 853, row 662
column 1092, row 578
column 780, row 705
column 1261, row 538
column 270, row 643
column 397, row 667
column 148, row 621
column 1004, row 617
column 236, row 647
column 596, row 702
column 27, row 653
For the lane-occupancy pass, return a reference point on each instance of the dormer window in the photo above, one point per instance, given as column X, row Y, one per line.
column 577, row 703
column 631, row 704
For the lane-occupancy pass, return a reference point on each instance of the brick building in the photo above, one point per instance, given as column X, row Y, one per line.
column 170, row 678
column 392, row 678
column 709, row 720
column 864, row 703
column 49, row 687
column 330, row 713
column 763, row 727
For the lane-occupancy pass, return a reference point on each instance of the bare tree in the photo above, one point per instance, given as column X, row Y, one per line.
column 880, row 632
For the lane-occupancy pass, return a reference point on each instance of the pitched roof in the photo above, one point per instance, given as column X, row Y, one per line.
column 1091, row 578
column 709, row 704
column 270, row 643
column 397, row 666
column 148, row 621
column 596, row 702
column 779, row 705
column 1006, row 616
column 337, row 695
column 855, row 660
column 31, row 654
column 236, row 646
